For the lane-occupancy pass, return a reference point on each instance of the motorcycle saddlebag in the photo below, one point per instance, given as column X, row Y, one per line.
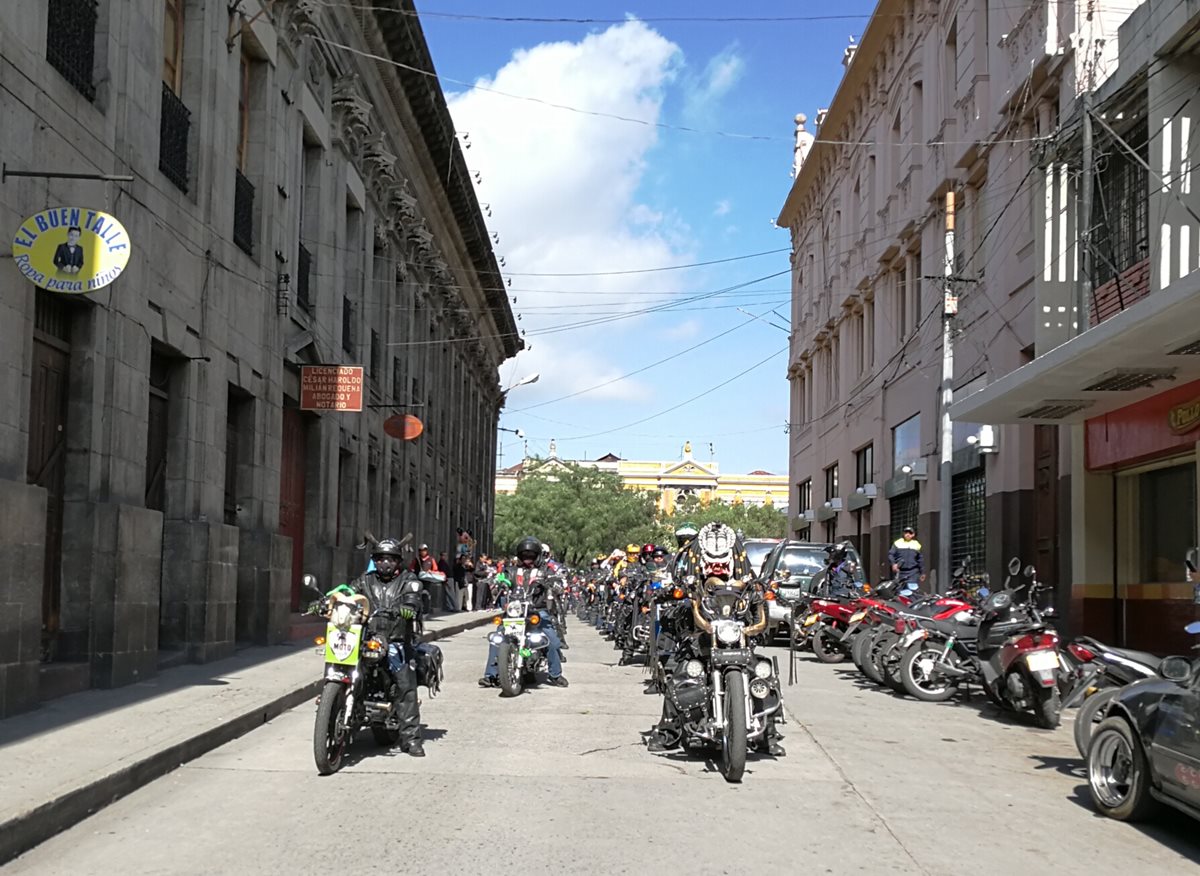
column 688, row 695
column 429, row 667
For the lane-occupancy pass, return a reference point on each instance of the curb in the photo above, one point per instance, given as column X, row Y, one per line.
column 20, row 834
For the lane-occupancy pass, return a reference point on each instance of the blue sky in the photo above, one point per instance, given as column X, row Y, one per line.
column 572, row 193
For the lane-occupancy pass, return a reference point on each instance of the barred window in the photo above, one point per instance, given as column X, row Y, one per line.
column 1121, row 209
column 71, row 42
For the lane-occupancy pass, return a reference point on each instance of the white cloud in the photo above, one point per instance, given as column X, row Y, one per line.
column 723, row 71
column 564, row 193
column 689, row 328
column 723, row 207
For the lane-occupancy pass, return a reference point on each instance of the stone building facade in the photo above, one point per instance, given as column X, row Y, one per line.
column 295, row 199
column 1123, row 389
column 961, row 96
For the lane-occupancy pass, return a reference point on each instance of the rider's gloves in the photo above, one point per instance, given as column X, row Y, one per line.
column 407, row 612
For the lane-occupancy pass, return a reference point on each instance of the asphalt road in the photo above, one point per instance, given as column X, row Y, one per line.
column 558, row 781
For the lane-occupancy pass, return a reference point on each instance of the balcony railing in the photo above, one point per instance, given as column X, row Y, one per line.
column 173, row 138
column 71, row 42
column 243, row 213
column 303, row 274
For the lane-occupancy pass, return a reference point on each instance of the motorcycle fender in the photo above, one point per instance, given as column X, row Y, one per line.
column 850, row 630
column 333, row 672
column 910, row 638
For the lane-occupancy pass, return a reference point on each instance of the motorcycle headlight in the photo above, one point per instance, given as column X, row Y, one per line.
column 693, row 668
column 342, row 615
column 763, row 669
column 728, row 632
column 759, row 689
column 514, row 609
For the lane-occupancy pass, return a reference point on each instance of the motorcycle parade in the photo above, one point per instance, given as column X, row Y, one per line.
column 696, row 621
column 600, row 438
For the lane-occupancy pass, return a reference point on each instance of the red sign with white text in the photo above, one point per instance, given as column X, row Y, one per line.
column 331, row 387
column 1154, row 427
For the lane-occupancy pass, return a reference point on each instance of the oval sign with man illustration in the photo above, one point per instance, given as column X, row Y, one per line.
column 71, row 249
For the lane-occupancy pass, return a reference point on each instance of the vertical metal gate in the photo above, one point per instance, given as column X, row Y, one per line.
column 968, row 520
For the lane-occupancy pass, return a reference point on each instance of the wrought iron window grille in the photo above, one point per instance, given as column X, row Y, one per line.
column 71, row 42
column 243, row 213
column 174, row 128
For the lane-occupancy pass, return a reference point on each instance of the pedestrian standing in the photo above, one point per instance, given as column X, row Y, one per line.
column 464, row 570
column 906, row 559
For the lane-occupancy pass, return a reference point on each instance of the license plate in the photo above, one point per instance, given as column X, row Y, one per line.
column 1041, row 661
column 811, row 619
column 857, row 616
column 514, row 628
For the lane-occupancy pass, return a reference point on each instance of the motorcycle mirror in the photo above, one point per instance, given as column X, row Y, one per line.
column 984, row 592
column 1192, row 560
column 1177, row 669
column 308, row 586
column 959, row 571
column 1014, row 566
column 1030, row 571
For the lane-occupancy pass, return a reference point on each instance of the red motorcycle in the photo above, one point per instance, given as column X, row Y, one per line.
column 1005, row 647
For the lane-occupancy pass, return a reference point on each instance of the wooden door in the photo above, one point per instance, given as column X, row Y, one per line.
column 291, row 492
column 47, row 465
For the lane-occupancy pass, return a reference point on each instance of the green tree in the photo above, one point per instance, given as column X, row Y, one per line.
column 579, row 511
column 755, row 521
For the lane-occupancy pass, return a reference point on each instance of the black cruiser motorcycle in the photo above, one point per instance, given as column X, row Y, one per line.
column 721, row 691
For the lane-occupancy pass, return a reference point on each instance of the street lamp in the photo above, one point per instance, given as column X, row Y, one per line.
column 524, row 381
column 519, row 433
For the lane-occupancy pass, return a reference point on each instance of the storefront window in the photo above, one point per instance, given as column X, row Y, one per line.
column 1166, row 522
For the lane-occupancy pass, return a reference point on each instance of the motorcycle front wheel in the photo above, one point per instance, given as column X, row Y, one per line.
column 826, row 646
column 733, row 740
column 330, row 734
column 509, row 664
column 861, row 648
column 919, row 675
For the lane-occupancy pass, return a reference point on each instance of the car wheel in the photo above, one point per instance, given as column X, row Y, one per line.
column 1118, row 772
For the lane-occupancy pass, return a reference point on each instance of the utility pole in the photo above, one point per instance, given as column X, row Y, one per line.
column 1082, row 287
column 946, row 469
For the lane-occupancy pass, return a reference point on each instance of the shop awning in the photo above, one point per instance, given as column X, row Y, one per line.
column 1141, row 351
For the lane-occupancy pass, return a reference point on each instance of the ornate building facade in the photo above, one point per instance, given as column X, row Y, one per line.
column 671, row 479
column 965, row 97
column 290, row 200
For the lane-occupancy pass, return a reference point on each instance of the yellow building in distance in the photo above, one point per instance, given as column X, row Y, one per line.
column 671, row 479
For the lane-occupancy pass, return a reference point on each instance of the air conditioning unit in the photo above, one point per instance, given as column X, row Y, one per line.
column 868, row 490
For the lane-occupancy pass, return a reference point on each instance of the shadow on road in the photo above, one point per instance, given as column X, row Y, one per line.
column 1170, row 827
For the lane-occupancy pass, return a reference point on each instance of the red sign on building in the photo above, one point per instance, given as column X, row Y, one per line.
column 331, row 387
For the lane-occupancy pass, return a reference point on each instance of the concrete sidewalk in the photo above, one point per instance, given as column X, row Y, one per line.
column 75, row 755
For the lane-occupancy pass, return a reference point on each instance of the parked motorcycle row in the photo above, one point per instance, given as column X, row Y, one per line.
column 1132, row 705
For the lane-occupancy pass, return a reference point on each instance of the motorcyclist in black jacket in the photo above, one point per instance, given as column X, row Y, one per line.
column 529, row 575
column 395, row 601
